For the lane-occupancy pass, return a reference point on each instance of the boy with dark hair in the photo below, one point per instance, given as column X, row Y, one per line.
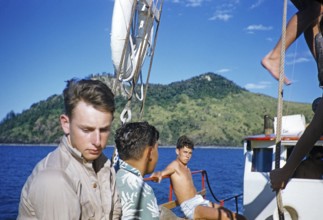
column 137, row 146
column 193, row 205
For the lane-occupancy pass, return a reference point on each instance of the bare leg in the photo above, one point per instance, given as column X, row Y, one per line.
column 204, row 212
column 298, row 23
column 216, row 213
column 271, row 61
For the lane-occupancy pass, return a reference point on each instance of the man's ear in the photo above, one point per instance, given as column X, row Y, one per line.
column 148, row 150
column 65, row 123
column 177, row 151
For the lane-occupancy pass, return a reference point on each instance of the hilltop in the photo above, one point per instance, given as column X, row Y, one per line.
column 209, row 108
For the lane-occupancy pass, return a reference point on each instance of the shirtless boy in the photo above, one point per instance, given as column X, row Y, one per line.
column 194, row 206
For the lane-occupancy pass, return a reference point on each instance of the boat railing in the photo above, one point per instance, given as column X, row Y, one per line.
column 172, row 203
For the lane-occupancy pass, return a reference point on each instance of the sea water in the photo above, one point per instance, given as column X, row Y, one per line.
column 224, row 168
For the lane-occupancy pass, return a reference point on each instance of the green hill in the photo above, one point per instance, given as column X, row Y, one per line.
column 209, row 108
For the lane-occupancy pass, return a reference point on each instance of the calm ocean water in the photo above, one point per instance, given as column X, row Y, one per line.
column 224, row 169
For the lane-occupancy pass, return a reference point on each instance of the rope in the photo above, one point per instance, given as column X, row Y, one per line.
column 151, row 61
column 280, row 108
column 153, row 13
column 126, row 114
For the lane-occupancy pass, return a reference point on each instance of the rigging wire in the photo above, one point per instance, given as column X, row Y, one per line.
column 151, row 62
column 287, row 105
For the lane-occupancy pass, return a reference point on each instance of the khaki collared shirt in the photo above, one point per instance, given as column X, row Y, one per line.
column 64, row 186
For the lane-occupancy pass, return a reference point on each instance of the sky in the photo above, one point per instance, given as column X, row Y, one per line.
column 43, row 43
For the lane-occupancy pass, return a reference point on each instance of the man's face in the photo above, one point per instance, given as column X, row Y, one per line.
column 88, row 130
column 153, row 159
column 184, row 154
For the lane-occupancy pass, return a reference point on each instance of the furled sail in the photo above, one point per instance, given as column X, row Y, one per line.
column 134, row 32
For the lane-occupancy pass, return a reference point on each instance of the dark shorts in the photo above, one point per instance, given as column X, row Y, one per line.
column 301, row 4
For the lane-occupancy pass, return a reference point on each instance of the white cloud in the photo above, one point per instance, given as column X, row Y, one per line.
column 293, row 58
column 225, row 70
column 269, row 39
column 258, row 27
column 260, row 85
column 256, row 4
column 225, row 11
column 190, row 3
column 298, row 60
column 194, row 3
column 221, row 15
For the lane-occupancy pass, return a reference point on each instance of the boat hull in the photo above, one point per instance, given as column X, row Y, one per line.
column 302, row 198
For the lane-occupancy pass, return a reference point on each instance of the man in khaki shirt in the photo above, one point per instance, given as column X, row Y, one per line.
column 76, row 181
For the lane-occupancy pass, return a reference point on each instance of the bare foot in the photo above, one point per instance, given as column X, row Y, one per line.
column 272, row 65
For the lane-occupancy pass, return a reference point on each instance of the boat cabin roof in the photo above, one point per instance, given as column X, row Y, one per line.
column 271, row 137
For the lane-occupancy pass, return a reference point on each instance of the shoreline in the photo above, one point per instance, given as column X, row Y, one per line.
column 111, row 146
column 28, row 145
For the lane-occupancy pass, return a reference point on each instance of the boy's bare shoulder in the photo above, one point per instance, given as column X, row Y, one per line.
column 172, row 165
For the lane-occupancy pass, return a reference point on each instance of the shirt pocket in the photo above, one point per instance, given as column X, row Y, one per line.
column 88, row 211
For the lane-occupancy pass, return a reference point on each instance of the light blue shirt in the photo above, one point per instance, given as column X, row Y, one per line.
column 137, row 197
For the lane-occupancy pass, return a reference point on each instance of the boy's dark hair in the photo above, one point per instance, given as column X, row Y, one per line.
column 132, row 138
column 184, row 141
column 92, row 92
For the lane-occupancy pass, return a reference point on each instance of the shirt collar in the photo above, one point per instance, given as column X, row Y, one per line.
column 74, row 152
column 124, row 165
